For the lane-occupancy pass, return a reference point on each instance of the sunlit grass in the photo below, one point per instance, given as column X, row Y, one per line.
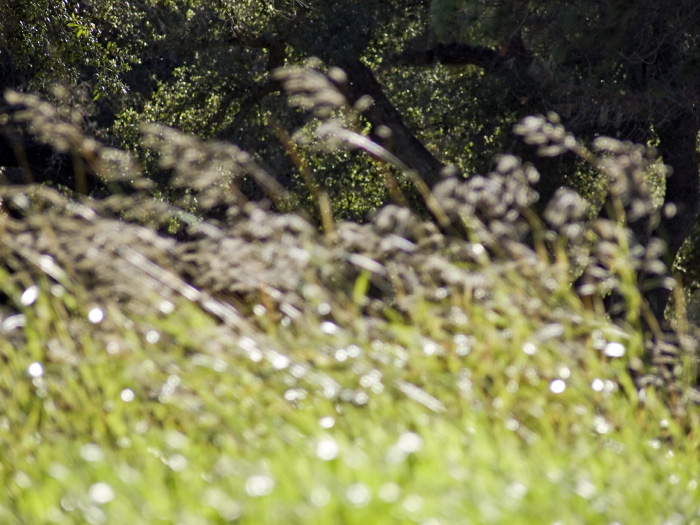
column 163, row 366
column 489, row 418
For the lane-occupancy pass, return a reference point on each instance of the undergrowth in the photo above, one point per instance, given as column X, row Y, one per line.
column 209, row 359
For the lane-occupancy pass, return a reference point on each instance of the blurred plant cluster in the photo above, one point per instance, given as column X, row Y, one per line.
column 470, row 245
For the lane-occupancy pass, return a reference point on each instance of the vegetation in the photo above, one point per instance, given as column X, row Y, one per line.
column 239, row 284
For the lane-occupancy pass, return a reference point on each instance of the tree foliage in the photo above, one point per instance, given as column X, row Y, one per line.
column 448, row 79
column 606, row 67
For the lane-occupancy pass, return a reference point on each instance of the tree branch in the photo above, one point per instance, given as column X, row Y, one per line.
column 511, row 56
column 453, row 54
column 401, row 141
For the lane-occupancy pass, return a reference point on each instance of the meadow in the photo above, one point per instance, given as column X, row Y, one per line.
column 451, row 364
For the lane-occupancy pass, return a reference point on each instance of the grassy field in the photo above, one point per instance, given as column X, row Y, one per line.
column 264, row 369
column 460, row 410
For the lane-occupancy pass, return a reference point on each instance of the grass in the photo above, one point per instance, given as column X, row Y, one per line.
column 489, row 418
column 260, row 371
